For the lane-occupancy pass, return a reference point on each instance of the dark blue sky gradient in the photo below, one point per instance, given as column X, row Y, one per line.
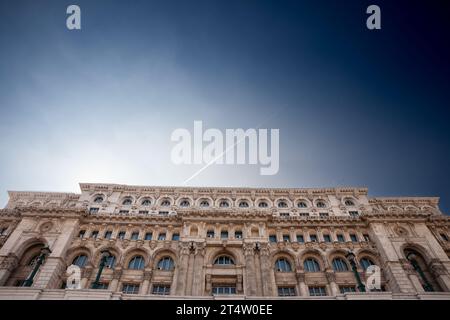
column 354, row 107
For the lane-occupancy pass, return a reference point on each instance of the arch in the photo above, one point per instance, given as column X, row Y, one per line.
column 185, row 202
column 115, row 251
column 241, row 200
column 205, row 202
column 302, row 203
column 136, row 262
column 340, row 264
column 234, row 253
column 159, row 253
column 72, row 253
column 259, row 201
column 98, row 198
column 315, row 254
column 420, row 263
column 166, row 201
column 127, row 200
column 284, row 254
column 224, row 260
column 133, row 252
column 349, row 202
column 285, row 203
column 224, row 200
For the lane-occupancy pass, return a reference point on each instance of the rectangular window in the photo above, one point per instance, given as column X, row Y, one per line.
column 354, row 238
column 286, row 291
column 284, row 214
column 162, row 236
column 272, row 238
column 143, row 211
column 218, row 290
column 353, row 213
column 300, row 238
column 161, row 289
column 304, row 214
column 121, row 235
column 313, row 237
column 108, row 234
column 130, row 288
column 340, row 238
column 176, row 237
column 326, row 238
column 148, row 236
column 224, row 235
column 81, row 233
column 102, row 286
column 444, row 237
column 2, row 231
column 93, row 210
column 210, row 234
column 286, row 238
column 238, row 234
column 124, row 211
column 135, row 236
column 317, row 291
column 366, row 237
column 345, row 289
column 164, row 213
column 324, row 214
column 94, row 234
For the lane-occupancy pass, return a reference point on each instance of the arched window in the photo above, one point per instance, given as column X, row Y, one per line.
column 339, row 265
column 146, row 202
column 184, row 203
column 425, row 275
column 111, row 262
column 302, row 204
column 224, row 261
column 137, row 263
column 224, row 204
column 349, row 203
column 243, row 204
column 263, row 204
column 165, row 203
column 33, row 260
column 311, row 265
column 365, row 263
column 127, row 202
column 166, row 264
column 282, row 204
column 283, row 265
column 98, row 199
column 204, row 204
column 320, row 204
column 80, row 260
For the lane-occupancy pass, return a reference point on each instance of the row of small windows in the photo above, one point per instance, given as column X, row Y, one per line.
column 136, row 263
column 312, row 265
column 313, row 238
column 225, row 203
column 134, row 235
column 315, row 291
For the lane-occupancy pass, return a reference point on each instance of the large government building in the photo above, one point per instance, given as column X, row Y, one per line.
column 137, row 242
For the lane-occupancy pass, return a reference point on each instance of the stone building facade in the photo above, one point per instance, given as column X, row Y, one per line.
column 207, row 243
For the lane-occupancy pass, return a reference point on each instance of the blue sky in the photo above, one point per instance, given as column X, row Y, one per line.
column 354, row 107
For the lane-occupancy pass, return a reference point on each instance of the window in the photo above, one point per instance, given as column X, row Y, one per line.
column 313, row 237
column 130, row 288
column 326, row 238
column 311, row 265
column 165, row 203
column 304, row 214
column 176, row 237
column 161, row 289
column 148, row 236
column 166, row 264
column 184, row 204
column 137, row 263
column 345, row 289
column 146, row 202
column 210, row 234
column 238, row 234
column 224, row 235
column 204, row 204
column 263, row 204
column 33, row 260
column 302, row 204
column 283, row 265
column 365, row 263
column 98, row 199
column 216, row 290
column 80, row 260
column 94, row 234
column 143, row 211
column 111, row 262
column 272, row 238
column 284, row 214
column 300, row 238
column 444, row 237
column 353, row 237
column 366, row 237
column 81, row 233
column 339, row 265
column 349, row 203
column 135, row 236
column 320, row 204
column 323, row 214
column 163, row 213
column 353, row 213
column 282, row 204
column 127, row 202
column 224, row 260
column 108, row 234
column 121, row 235
column 124, row 211
column 224, row 204
column 93, row 210
column 243, row 204
column 162, row 236
column 2, row 231
column 340, row 238
column 317, row 291
column 103, row 286
column 286, row 291
column 286, row 238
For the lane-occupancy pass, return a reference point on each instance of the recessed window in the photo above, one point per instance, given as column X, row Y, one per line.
column 224, row 204
column 224, row 235
column 130, row 288
column 81, row 233
column 313, row 237
column 218, row 290
column 238, row 234
column 286, row 238
column 272, row 238
column 121, row 235
column 263, row 204
column 176, row 237
column 102, row 286
column 166, row 264
column 162, row 236
column 304, row 214
column 326, row 238
column 148, row 236
column 320, row 204
column 366, row 237
column 159, row 289
column 2, row 231
column 146, row 202
column 127, row 202
column 302, row 204
column 353, row 237
column 143, row 211
column 340, row 238
column 224, row 260
column 300, row 238
column 98, row 199
column 165, row 203
column 94, row 234
column 163, row 213
column 108, row 234
column 311, row 265
column 111, row 262
column 204, row 204
column 444, row 237
column 137, row 263
column 323, row 214
column 210, row 234
column 345, row 289
column 282, row 204
column 366, row 262
column 317, row 291
column 349, row 203
column 353, row 213
column 184, row 204
column 124, row 211
column 93, row 210
column 286, row 291
column 283, row 265
column 135, row 236
column 80, row 260
column 284, row 214
column 243, row 204
column 339, row 265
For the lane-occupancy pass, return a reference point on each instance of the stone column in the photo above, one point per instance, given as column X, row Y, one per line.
column 50, row 273
column 303, row 289
column 198, row 269
column 412, row 275
column 146, row 281
column 117, row 273
column 331, row 277
column 267, row 272
column 250, row 279
column 182, row 268
column 7, row 265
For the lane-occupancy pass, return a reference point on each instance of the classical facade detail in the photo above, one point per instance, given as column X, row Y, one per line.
column 143, row 241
